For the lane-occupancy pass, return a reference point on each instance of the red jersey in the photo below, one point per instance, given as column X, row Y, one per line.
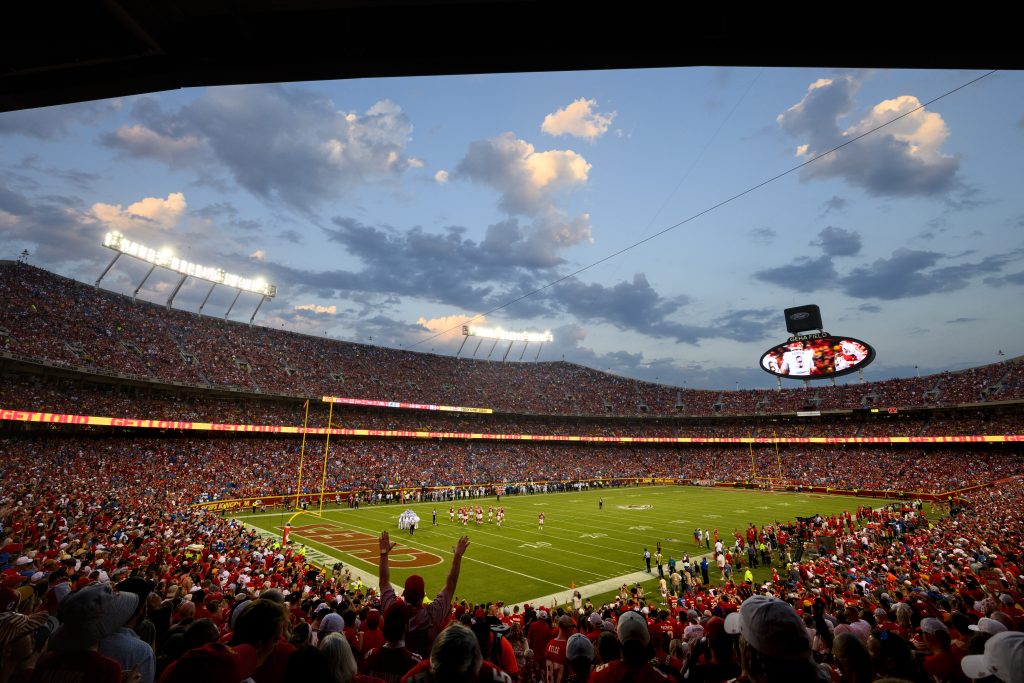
column 554, row 661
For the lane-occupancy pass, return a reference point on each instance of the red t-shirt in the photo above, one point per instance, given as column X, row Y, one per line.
column 617, row 671
column 390, row 663
column 539, row 634
column 488, row 674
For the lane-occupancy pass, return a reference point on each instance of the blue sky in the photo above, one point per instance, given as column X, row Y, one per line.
column 393, row 209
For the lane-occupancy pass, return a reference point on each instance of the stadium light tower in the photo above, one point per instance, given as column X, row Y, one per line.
column 165, row 259
column 498, row 334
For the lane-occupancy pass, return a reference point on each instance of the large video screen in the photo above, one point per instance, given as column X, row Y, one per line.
column 817, row 358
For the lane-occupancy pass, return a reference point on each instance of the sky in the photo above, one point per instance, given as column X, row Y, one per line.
column 390, row 211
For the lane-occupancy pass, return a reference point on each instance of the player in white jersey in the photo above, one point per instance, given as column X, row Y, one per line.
column 540, row 521
column 850, row 353
column 797, row 361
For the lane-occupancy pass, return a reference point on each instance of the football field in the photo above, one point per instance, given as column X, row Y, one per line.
column 580, row 545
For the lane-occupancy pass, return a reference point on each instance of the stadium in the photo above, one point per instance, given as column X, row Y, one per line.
column 186, row 495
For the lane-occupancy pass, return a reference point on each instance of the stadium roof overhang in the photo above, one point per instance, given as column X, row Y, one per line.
column 91, row 49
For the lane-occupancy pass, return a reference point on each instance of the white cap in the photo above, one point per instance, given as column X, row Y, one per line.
column 1003, row 658
column 579, row 645
column 986, row 625
column 632, row 626
column 772, row 627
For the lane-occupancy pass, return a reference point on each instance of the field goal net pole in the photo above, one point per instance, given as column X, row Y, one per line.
column 302, row 455
column 327, row 447
column 778, row 458
column 750, row 444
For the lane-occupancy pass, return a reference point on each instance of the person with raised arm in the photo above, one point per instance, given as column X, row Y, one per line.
column 424, row 622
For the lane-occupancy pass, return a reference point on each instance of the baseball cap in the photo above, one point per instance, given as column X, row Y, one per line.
column 932, row 625
column 415, row 590
column 1003, row 658
column 594, row 618
column 986, row 625
column 770, row 626
column 579, row 645
column 632, row 626
column 332, row 623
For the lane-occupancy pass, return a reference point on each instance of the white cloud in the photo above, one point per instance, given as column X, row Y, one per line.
column 924, row 132
column 527, row 179
column 904, row 158
column 317, row 309
column 139, row 141
column 530, row 183
column 151, row 212
column 279, row 142
column 441, row 177
column 578, row 119
column 449, row 325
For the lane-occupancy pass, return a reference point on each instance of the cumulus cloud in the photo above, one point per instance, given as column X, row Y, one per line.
column 317, row 309
column 902, row 159
column 836, row 203
column 530, row 184
column 579, row 119
column 441, row 177
column 56, row 230
column 803, row 275
column 527, row 179
column 636, row 306
column 153, row 213
column 450, row 326
column 141, row 142
column 838, row 242
column 906, row 273
column 279, row 142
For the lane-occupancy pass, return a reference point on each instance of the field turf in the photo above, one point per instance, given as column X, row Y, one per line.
column 579, row 546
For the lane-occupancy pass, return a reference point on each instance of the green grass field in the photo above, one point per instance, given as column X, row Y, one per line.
column 580, row 545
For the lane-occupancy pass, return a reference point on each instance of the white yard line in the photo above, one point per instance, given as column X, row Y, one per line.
column 601, row 586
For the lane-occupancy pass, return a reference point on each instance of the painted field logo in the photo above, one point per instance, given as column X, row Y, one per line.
column 364, row 546
column 636, row 507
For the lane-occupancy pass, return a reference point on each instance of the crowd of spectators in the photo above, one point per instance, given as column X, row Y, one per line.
column 49, row 318
column 79, row 396
column 200, row 597
column 229, row 466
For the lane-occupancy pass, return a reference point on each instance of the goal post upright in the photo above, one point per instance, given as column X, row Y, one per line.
column 302, row 455
column 327, row 447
